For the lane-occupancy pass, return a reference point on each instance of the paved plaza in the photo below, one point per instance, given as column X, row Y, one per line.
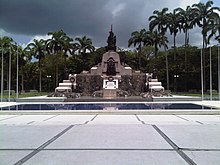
column 109, row 139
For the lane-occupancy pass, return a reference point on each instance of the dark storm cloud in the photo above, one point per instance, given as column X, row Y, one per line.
column 78, row 17
column 41, row 16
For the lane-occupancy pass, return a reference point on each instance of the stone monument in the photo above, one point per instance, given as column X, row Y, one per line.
column 110, row 79
column 111, row 41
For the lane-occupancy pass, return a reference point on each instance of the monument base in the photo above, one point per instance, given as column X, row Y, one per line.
column 109, row 93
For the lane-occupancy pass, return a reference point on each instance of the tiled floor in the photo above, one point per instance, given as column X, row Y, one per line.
column 109, row 139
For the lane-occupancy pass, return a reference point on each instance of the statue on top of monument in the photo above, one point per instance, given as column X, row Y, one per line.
column 111, row 41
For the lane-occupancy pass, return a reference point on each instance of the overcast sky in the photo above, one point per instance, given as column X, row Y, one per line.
column 24, row 20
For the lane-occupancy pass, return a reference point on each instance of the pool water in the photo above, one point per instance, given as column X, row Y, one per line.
column 106, row 106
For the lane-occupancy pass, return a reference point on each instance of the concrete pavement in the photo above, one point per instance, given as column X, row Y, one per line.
column 109, row 139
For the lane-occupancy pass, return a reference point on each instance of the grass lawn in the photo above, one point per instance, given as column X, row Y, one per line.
column 206, row 95
column 28, row 94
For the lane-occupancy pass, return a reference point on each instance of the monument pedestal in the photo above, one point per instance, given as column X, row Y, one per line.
column 109, row 93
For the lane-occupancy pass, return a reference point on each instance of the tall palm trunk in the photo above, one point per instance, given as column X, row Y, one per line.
column 139, row 57
column 7, row 77
column 204, row 45
column 2, row 76
column 85, row 59
column 185, row 52
column 167, row 69
column 65, row 68
column 203, row 56
column 57, row 67
column 7, row 71
column 175, row 68
column 174, row 46
column 57, row 78
column 155, row 50
column 22, row 81
column 40, row 75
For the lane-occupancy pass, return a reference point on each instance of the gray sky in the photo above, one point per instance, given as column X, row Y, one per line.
column 24, row 20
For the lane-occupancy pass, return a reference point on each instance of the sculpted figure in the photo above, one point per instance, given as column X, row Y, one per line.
column 111, row 41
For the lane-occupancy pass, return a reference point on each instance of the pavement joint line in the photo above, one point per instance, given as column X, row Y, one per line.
column 31, row 122
column 90, row 149
column 174, row 146
column 181, row 118
column 40, row 148
column 121, row 149
column 17, row 149
column 91, row 119
column 199, row 149
column 199, row 122
column 94, row 117
column 10, row 117
column 50, row 117
column 139, row 119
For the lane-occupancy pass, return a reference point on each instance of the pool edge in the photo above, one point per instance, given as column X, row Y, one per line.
column 112, row 112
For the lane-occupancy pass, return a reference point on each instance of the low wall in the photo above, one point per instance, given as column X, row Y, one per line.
column 87, row 84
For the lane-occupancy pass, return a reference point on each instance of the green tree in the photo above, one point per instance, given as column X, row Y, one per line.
column 55, row 44
column 23, row 58
column 203, row 17
column 138, row 38
column 186, row 21
column 214, row 28
column 37, row 49
column 83, row 45
column 174, row 27
column 59, row 45
column 6, row 49
column 159, row 21
column 157, row 40
column 31, row 74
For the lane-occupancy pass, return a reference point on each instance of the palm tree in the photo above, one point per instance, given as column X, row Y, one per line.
column 37, row 49
column 23, row 57
column 55, row 44
column 59, row 44
column 204, row 14
column 84, row 44
column 214, row 27
column 157, row 40
column 159, row 20
column 69, row 48
column 174, row 27
column 186, row 23
column 6, row 48
column 138, row 38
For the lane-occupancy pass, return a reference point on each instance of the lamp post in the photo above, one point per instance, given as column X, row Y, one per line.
column 9, row 76
column 17, row 75
column 167, row 71
column 210, row 62
column 175, row 78
column 218, row 73
column 2, row 77
column 48, row 77
column 202, row 85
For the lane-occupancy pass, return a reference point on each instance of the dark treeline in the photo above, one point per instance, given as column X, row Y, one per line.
column 178, row 67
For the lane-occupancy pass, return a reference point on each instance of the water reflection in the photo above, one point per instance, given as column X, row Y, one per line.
column 106, row 106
